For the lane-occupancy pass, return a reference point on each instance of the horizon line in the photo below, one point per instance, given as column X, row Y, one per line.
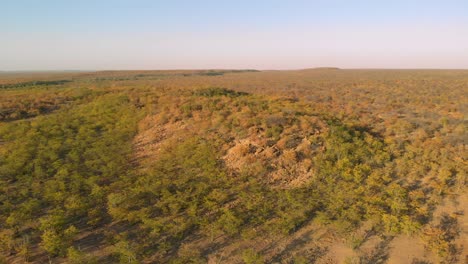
column 226, row 69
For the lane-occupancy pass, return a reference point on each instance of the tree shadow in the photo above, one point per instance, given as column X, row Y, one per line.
column 420, row 261
column 299, row 248
column 378, row 255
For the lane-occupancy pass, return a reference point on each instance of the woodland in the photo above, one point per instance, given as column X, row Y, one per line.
column 234, row 166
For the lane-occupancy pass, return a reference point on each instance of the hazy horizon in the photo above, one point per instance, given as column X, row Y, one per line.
column 228, row 69
column 265, row 35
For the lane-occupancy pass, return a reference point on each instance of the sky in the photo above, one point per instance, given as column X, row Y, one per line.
column 241, row 34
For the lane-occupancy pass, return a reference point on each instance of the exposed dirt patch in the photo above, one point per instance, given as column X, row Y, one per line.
column 405, row 249
column 280, row 165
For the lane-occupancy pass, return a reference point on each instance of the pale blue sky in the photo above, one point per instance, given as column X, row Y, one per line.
column 178, row 34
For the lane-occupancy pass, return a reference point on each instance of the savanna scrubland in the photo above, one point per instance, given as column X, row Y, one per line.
column 234, row 166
